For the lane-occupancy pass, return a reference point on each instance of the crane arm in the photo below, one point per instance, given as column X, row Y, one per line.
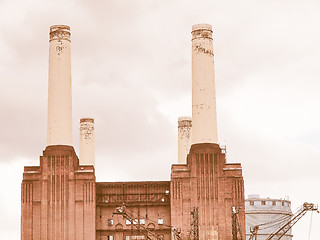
column 122, row 211
column 284, row 228
column 287, row 226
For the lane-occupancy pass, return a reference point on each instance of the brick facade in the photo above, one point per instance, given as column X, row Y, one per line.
column 147, row 202
column 58, row 198
column 61, row 200
column 213, row 186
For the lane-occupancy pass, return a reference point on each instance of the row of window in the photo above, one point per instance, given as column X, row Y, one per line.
column 162, row 200
column 274, row 203
column 135, row 221
column 135, row 237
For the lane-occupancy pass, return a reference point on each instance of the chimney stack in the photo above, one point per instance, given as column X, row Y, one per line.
column 87, row 151
column 204, row 119
column 59, row 87
column 184, row 138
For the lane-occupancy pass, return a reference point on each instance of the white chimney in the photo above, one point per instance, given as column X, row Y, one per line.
column 87, row 150
column 204, row 119
column 59, row 87
column 184, row 138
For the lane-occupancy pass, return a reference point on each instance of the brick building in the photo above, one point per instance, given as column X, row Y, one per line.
column 60, row 199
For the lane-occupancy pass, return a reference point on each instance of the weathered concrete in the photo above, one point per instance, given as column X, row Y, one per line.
column 204, row 119
column 59, row 87
column 184, row 138
column 87, row 145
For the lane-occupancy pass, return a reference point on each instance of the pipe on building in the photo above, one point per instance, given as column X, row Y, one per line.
column 59, row 128
column 184, row 138
column 87, row 146
column 204, row 119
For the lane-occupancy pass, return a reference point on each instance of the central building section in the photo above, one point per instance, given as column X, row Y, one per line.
column 145, row 210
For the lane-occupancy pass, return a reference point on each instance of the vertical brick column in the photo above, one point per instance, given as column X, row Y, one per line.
column 26, row 210
column 213, row 186
column 60, row 190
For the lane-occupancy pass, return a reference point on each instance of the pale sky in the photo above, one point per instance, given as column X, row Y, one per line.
column 131, row 72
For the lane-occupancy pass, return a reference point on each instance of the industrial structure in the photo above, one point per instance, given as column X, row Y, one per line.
column 184, row 138
column 60, row 198
column 269, row 219
column 264, row 210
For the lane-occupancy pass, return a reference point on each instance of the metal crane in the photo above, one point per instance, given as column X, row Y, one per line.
column 286, row 223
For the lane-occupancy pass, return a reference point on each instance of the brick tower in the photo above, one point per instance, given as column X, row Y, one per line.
column 58, row 197
column 204, row 190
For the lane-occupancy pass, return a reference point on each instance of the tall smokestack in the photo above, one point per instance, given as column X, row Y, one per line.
column 87, row 152
column 59, row 87
column 184, row 138
column 204, row 119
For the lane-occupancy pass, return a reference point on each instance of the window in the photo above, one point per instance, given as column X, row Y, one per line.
column 110, row 237
column 160, row 221
column 251, row 202
column 282, row 203
column 110, row 222
column 135, row 221
column 135, row 237
column 128, row 222
column 273, row 203
column 142, row 221
column 263, row 202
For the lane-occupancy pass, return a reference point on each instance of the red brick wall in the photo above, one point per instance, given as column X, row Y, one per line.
column 61, row 200
column 58, row 198
column 207, row 182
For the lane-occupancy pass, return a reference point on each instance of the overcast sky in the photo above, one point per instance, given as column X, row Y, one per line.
column 131, row 72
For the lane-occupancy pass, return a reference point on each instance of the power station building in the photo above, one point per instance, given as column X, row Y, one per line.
column 61, row 200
